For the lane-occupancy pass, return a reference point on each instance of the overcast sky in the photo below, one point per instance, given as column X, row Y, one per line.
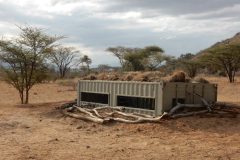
column 178, row 26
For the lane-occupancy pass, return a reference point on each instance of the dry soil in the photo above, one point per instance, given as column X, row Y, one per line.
column 38, row 131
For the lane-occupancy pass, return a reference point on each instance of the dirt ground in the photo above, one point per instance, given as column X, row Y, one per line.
column 38, row 131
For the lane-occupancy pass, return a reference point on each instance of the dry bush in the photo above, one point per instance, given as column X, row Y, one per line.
column 141, row 77
column 112, row 76
column 128, row 76
column 102, row 76
column 200, row 80
column 178, row 76
column 90, row 77
column 156, row 76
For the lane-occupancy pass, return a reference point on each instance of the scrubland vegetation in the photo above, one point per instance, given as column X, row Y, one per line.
column 38, row 75
column 34, row 57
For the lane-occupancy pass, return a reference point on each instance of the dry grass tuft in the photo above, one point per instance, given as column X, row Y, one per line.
column 127, row 76
column 102, row 76
column 200, row 80
column 90, row 77
column 178, row 76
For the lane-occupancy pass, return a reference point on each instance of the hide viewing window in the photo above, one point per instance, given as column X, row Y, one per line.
column 136, row 102
column 94, row 97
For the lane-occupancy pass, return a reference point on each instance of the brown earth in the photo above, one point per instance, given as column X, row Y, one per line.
column 39, row 131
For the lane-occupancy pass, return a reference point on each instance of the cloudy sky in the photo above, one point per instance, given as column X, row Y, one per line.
column 178, row 26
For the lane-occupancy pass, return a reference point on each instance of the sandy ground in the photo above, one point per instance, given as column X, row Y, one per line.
column 227, row 92
column 39, row 131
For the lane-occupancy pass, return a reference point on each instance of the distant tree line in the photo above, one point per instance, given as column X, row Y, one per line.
column 224, row 59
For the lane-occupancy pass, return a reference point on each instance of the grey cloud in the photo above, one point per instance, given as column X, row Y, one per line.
column 158, row 7
column 98, row 33
column 229, row 15
column 155, row 8
column 173, row 7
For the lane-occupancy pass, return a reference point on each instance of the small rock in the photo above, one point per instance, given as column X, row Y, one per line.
column 87, row 146
column 139, row 129
column 79, row 127
column 117, row 135
column 31, row 157
column 53, row 140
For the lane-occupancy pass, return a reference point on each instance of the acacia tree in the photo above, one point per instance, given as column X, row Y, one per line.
column 133, row 60
column 148, row 58
column 188, row 64
column 225, row 57
column 153, row 56
column 85, row 59
column 171, row 64
column 24, row 59
column 119, row 52
column 64, row 58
